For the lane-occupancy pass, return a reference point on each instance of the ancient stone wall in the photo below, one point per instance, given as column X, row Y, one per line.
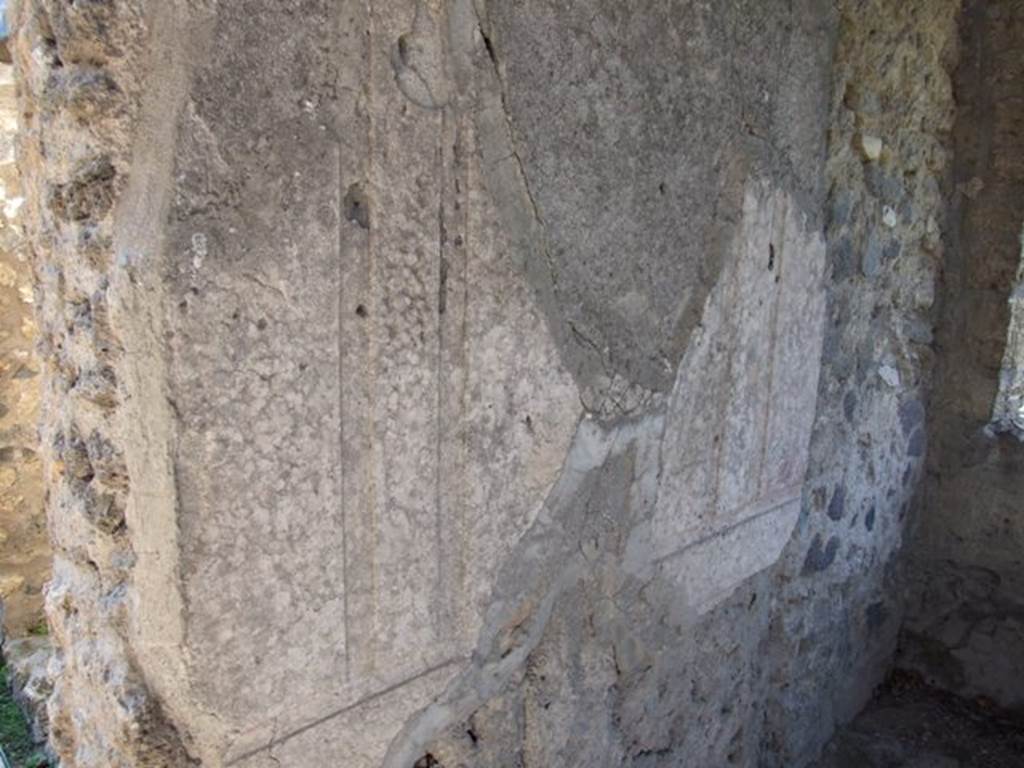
column 80, row 67
column 965, row 629
column 451, row 384
column 840, row 597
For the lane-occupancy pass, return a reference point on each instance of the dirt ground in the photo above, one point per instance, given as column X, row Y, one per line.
column 910, row 725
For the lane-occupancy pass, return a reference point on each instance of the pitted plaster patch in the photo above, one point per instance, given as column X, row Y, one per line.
column 383, row 414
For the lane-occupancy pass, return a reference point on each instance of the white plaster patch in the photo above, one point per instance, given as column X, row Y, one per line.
column 708, row 571
column 740, row 419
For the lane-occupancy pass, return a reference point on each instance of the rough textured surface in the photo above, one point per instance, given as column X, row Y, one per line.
column 447, row 384
column 835, row 626
column 966, row 625
column 79, row 67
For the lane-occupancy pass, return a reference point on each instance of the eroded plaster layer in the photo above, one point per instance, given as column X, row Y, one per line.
column 385, row 422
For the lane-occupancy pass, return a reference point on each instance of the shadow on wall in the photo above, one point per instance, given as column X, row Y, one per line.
column 965, row 627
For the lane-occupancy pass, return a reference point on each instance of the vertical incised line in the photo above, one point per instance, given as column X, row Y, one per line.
column 341, row 416
column 730, row 296
column 778, row 226
column 371, row 358
column 342, row 496
column 439, row 405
